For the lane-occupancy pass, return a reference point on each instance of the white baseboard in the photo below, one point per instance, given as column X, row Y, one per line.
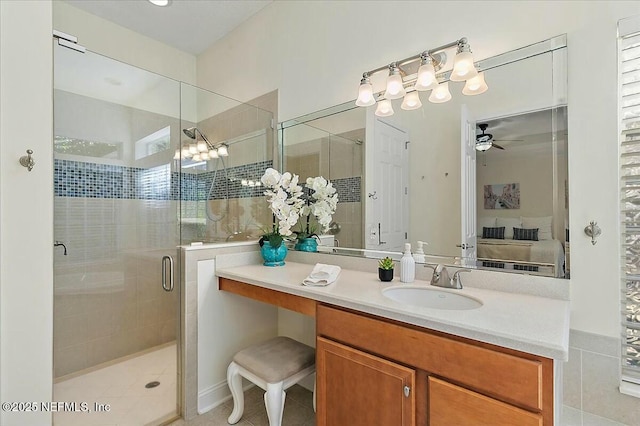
column 211, row 397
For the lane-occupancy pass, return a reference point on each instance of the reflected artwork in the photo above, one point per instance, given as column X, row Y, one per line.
column 502, row 196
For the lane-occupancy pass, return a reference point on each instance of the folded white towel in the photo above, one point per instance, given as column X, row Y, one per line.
column 322, row 275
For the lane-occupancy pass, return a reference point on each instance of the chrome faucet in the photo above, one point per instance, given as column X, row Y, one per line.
column 441, row 278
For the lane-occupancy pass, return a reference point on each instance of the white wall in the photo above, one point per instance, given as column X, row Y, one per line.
column 114, row 41
column 315, row 53
column 26, row 209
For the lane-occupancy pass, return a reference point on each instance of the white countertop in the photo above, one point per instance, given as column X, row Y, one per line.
column 527, row 323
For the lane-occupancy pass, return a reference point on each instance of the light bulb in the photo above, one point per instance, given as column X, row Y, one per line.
column 176, row 156
column 193, row 148
column 475, row 85
column 411, row 101
column 222, row 151
column 483, row 145
column 426, row 76
column 395, row 89
column 197, row 157
column 385, row 109
column 213, row 153
column 365, row 93
column 202, row 146
column 440, row 94
column 251, row 183
column 463, row 67
column 186, row 153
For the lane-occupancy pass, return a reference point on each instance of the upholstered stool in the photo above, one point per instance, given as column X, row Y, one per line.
column 274, row 365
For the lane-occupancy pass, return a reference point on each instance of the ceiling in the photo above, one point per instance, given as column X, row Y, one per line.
column 189, row 25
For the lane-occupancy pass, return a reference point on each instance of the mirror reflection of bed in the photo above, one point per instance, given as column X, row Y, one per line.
column 521, row 218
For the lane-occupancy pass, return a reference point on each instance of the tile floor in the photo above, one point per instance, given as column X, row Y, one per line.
column 298, row 410
column 122, row 386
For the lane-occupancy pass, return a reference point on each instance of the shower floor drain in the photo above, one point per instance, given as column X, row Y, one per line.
column 152, row 385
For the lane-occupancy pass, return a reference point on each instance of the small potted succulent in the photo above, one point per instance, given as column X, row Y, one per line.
column 385, row 269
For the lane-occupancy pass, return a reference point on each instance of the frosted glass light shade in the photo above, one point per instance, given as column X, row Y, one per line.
column 186, row 153
column 411, row 101
column 205, row 155
column 197, row 157
column 202, row 146
column 385, row 109
column 222, row 151
column 213, row 153
column 365, row 94
column 463, row 67
column 483, row 146
column 193, row 148
column 395, row 89
column 426, row 77
column 176, row 156
column 475, row 85
column 440, row 94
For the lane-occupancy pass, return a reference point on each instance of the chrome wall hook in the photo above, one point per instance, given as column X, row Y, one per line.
column 27, row 160
column 593, row 230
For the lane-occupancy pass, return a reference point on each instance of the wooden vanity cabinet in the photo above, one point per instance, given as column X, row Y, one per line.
column 352, row 386
column 364, row 364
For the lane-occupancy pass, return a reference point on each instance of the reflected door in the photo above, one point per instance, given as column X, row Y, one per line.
column 468, row 190
column 117, row 198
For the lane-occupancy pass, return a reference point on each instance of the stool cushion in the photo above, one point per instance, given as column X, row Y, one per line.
column 276, row 359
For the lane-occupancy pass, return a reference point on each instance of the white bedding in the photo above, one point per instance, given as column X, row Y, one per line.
column 548, row 252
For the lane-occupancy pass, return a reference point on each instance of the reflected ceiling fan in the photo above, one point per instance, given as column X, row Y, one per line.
column 484, row 141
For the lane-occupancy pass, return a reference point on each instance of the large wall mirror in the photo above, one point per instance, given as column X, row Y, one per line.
column 419, row 176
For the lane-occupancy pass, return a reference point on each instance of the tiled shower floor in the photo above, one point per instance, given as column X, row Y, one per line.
column 122, row 386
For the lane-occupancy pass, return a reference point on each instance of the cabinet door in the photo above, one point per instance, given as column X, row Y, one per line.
column 356, row 388
column 451, row 405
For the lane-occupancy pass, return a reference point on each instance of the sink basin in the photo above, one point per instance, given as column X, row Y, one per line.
column 431, row 297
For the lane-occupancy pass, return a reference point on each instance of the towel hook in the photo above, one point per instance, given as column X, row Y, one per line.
column 593, row 230
column 27, row 160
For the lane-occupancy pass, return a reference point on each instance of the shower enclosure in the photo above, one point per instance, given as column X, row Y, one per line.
column 127, row 192
column 332, row 147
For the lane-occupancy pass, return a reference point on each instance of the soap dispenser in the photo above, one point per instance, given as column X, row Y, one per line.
column 419, row 255
column 407, row 265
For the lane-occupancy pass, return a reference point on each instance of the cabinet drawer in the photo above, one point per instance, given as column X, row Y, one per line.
column 452, row 405
column 497, row 372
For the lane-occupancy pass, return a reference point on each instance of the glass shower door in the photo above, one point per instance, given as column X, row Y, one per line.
column 116, row 212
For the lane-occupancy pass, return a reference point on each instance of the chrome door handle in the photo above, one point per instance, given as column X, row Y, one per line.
column 167, row 260
column 464, row 246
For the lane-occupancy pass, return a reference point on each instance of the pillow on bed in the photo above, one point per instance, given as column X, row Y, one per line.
column 509, row 223
column 543, row 223
column 528, row 234
column 486, row 222
column 493, row 233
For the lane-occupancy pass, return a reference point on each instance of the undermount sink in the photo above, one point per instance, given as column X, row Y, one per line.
column 431, row 297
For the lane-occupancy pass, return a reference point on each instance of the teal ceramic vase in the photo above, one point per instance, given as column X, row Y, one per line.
column 307, row 244
column 273, row 256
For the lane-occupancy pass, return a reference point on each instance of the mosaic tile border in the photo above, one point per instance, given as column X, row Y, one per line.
column 92, row 180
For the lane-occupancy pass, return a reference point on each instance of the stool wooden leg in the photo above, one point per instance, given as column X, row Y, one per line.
column 234, row 379
column 274, row 402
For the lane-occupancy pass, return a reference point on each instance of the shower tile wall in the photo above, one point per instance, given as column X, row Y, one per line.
column 248, row 132
column 340, row 160
column 117, row 217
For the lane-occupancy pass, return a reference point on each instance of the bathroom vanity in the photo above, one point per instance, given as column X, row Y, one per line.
column 380, row 361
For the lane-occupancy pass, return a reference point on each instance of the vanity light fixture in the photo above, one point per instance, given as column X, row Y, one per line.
column 411, row 101
column 403, row 74
column 160, row 3
column 475, row 85
column 384, row 109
